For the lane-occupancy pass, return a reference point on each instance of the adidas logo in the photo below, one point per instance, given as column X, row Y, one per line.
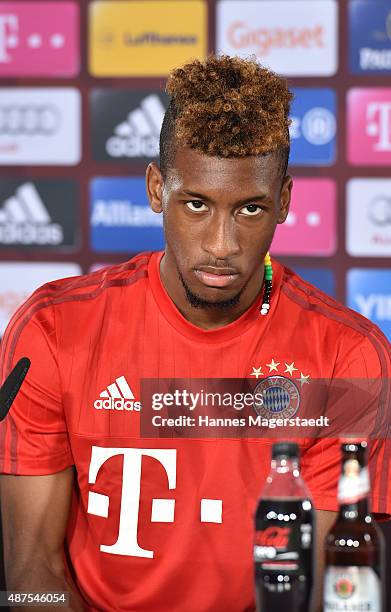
column 117, row 396
column 25, row 220
column 138, row 136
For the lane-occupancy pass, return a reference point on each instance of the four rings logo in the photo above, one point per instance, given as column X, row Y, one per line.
column 40, row 126
column 29, row 120
column 368, row 221
column 379, row 210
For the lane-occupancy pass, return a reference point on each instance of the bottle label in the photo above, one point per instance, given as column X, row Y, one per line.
column 351, row 589
column 283, row 536
column 354, row 482
column 273, row 548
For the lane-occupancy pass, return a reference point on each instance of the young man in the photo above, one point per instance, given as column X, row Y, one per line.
column 129, row 523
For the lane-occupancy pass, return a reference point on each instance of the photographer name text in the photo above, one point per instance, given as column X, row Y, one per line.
column 249, row 421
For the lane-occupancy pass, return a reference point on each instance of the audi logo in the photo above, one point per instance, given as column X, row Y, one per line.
column 379, row 210
column 29, row 120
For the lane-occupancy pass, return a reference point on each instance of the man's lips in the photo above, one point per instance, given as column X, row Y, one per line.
column 216, row 277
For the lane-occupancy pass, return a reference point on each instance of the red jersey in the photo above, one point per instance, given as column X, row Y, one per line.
column 167, row 524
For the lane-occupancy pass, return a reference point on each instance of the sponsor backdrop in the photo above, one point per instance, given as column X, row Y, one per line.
column 81, row 105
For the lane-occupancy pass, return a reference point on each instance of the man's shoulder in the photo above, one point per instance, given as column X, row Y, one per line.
column 330, row 314
column 88, row 287
column 78, row 295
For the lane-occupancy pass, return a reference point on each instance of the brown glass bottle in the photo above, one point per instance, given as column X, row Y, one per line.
column 354, row 546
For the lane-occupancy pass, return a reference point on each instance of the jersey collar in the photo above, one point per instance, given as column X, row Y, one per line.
column 238, row 327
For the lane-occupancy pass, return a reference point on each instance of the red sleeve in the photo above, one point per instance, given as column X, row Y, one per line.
column 33, row 436
column 366, row 360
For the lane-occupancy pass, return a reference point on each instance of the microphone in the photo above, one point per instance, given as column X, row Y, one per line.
column 12, row 384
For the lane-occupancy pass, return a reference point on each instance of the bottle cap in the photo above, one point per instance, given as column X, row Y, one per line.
column 288, row 449
column 353, row 445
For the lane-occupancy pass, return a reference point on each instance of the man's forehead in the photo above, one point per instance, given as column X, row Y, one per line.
column 191, row 168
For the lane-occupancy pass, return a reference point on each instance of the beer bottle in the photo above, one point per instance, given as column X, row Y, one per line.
column 354, row 545
column 283, row 546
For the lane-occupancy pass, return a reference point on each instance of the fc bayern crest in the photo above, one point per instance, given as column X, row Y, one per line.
column 281, row 398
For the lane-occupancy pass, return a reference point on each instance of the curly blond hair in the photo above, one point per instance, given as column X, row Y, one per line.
column 226, row 107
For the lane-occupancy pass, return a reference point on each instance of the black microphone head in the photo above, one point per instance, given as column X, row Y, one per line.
column 12, row 384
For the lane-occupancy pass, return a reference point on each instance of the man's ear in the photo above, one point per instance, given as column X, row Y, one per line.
column 285, row 198
column 154, row 185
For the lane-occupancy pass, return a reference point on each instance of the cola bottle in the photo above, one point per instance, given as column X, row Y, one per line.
column 354, row 545
column 284, row 535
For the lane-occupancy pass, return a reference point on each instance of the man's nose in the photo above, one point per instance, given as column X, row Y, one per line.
column 220, row 238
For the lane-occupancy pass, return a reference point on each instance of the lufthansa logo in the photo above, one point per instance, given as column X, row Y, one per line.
column 379, row 210
column 29, row 120
column 281, row 398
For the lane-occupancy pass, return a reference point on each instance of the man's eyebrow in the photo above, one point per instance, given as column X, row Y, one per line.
column 261, row 197
column 194, row 194
column 257, row 198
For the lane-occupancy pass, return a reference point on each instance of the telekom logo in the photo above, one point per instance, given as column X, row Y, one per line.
column 39, row 39
column 9, row 30
column 310, row 228
column 369, row 126
column 163, row 510
column 379, row 124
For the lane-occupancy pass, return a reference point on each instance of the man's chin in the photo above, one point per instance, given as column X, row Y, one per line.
column 214, row 298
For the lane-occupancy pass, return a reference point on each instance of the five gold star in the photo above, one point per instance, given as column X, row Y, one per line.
column 290, row 368
column 257, row 372
column 273, row 365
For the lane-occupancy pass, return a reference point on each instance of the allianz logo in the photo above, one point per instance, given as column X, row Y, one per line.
column 318, row 126
column 123, row 213
column 24, row 219
column 117, row 396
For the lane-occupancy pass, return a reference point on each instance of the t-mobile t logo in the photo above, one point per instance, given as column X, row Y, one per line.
column 163, row 510
column 39, row 38
column 379, row 124
column 9, row 30
column 369, row 126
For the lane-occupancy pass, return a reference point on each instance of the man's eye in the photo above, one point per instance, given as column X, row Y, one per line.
column 196, row 206
column 251, row 210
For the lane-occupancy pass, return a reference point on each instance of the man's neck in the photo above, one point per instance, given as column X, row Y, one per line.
column 205, row 317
